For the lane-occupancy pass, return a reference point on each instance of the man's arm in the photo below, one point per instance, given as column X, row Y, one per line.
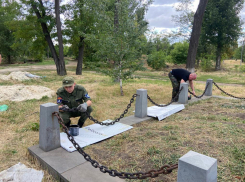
column 192, row 86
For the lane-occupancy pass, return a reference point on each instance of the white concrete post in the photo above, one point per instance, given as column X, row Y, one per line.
column 183, row 96
column 210, row 87
column 141, row 103
column 195, row 167
column 49, row 129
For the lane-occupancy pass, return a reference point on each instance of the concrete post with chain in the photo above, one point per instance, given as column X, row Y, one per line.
column 49, row 129
column 141, row 103
column 210, row 87
column 183, row 96
column 193, row 167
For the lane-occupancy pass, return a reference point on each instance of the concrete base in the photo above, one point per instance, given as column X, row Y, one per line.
column 72, row 167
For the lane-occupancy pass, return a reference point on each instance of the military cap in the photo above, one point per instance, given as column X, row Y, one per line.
column 68, row 81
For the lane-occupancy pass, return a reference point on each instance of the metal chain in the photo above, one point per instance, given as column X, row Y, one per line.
column 202, row 93
column 166, row 169
column 160, row 105
column 116, row 120
column 227, row 93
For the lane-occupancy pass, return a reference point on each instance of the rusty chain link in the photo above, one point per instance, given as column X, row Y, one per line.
column 202, row 93
column 166, row 169
column 101, row 123
column 160, row 105
column 227, row 93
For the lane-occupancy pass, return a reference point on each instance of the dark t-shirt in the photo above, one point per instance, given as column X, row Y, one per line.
column 181, row 74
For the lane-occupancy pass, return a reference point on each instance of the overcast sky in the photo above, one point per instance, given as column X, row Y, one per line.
column 159, row 14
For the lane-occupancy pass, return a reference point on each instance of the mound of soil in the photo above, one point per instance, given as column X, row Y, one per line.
column 24, row 92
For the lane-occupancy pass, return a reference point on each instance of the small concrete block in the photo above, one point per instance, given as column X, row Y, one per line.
column 49, row 129
column 141, row 103
column 195, row 167
column 131, row 120
column 183, row 96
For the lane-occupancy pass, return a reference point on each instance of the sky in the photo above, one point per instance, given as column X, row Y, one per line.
column 159, row 14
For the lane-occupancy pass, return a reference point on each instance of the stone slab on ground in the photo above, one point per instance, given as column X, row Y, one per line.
column 21, row 173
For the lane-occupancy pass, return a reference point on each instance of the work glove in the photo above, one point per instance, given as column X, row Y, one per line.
column 64, row 108
column 82, row 107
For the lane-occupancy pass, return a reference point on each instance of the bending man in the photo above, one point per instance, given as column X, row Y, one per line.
column 178, row 76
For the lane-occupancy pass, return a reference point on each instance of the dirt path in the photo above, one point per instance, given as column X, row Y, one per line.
column 33, row 68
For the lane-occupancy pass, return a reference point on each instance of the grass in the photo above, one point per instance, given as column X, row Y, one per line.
column 214, row 127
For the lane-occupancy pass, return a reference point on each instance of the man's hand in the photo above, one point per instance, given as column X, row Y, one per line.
column 194, row 92
column 82, row 107
column 64, row 108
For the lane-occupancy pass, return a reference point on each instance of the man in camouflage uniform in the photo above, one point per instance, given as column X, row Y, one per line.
column 178, row 76
column 71, row 96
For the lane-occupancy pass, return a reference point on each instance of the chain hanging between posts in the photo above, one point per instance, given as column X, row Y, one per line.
column 202, row 93
column 227, row 93
column 160, row 105
column 166, row 169
column 116, row 120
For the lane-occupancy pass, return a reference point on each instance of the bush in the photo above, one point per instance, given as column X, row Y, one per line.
column 156, row 60
column 206, row 65
column 179, row 53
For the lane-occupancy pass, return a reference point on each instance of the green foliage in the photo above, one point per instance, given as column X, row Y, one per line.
column 206, row 65
column 118, row 46
column 179, row 53
column 156, row 60
column 221, row 25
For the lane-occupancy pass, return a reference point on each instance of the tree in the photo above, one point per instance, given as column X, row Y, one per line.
column 184, row 20
column 45, row 20
column 118, row 42
column 221, row 25
column 8, row 12
column 195, row 34
column 81, row 22
column 60, row 40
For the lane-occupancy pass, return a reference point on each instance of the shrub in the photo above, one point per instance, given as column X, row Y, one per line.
column 156, row 60
column 179, row 53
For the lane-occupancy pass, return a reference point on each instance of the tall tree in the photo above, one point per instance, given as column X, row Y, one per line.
column 9, row 11
column 39, row 9
column 60, row 39
column 195, row 34
column 118, row 43
column 221, row 25
column 81, row 22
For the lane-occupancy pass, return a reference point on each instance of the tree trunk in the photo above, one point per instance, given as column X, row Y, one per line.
column 116, row 25
column 218, row 59
column 80, row 57
column 47, row 35
column 121, row 89
column 195, row 34
column 9, row 59
column 60, row 40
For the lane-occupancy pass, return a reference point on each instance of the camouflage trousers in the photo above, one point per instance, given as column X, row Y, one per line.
column 175, row 85
column 67, row 115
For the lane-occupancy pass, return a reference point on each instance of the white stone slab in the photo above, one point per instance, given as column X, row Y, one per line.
column 163, row 112
column 21, row 173
column 92, row 134
column 195, row 167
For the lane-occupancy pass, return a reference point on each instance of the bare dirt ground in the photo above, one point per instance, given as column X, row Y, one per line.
column 33, row 68
column 22, row 92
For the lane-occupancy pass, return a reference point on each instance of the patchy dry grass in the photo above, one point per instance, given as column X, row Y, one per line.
column 213, row 127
